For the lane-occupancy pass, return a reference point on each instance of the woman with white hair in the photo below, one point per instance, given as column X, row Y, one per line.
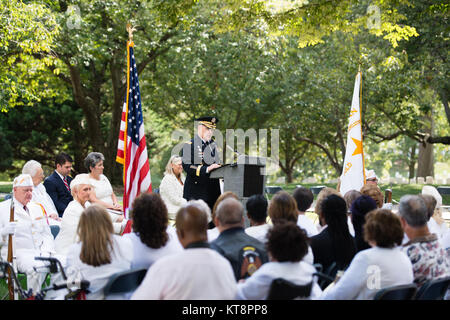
column 171, row 187
column 436, row 224
column 81, row 188
column 40, row 195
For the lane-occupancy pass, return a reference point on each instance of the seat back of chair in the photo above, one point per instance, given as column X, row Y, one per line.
column 402, row 292
column 282, row 289
column 331, row 273
column 433, row 289
column 123, row 282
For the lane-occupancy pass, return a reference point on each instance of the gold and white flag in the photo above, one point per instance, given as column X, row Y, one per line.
column 353, row 175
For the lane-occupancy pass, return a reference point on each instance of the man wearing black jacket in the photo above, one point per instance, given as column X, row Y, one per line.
column 57, row 184
column 200, row 156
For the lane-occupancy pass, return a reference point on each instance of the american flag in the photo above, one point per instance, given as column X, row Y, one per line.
column 132, row 152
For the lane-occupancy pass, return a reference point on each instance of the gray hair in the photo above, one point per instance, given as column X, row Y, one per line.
column 173, row 159
column 92, row 159
column 414, row 210
column 31, row 168
column 230, row 211
column 201, row 205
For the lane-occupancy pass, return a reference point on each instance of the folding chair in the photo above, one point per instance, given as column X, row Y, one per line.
column 402, row 292
column 433, row 289
column 124, row 282
column 282, row 289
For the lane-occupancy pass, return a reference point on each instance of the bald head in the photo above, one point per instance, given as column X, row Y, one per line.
column 230, row 213
column 191, row 224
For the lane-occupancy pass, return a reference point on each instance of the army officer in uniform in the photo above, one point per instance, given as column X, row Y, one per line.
column 200, row 156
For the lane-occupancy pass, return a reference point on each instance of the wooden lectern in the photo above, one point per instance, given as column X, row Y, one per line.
column 245, row 177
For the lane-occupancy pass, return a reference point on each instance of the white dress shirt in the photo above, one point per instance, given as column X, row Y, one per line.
column 193, row 274
column 370, row 271
column 257, row 286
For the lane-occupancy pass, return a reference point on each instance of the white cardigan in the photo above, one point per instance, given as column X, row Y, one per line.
column 171, row 192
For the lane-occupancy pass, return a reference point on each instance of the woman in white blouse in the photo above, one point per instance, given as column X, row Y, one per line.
column 99, row 254
column 102, row 191
column 171, row 187
column 383, row 265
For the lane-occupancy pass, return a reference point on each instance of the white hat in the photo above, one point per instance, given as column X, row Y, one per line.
column 23, row 180
column 82, row 178
column 432, row 191
column 370, row 174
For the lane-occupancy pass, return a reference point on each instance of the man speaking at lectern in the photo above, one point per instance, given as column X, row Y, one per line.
column 200, row 156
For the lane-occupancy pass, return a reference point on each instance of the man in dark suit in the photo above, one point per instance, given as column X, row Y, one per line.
column 200, row 156
column 57, row 185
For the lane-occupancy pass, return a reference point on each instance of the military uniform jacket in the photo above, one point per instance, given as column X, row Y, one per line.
column 32, row 231
column 197, row 155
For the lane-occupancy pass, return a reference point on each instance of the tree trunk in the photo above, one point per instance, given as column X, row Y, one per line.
column 425, row 160
column 412, row 161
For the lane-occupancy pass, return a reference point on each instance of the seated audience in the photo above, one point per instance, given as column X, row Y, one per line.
column 81, row 188
column 383, row 265
column 171, row 187
column 428, row 257
column 102, row 191
column 232, row 239
column 57, row 184
column 325, row 192
column 304, row 199
column 99, row 253
column 213, row 232
column 287, row 245
column 40, row 195
column 196, row 273
column 150, row 238
column 282, row 207
column 371, row 177
column 202, row 205
column 257, row 215
column 361, row 206
column 334, row 243
column 436, row 223
column 374, row 192
column 350, row 197
column 30, row 232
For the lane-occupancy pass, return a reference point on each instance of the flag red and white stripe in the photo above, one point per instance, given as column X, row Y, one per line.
column 131, row 147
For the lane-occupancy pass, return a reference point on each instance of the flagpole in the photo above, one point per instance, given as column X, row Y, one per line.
column 130, row 43
column 360, row 118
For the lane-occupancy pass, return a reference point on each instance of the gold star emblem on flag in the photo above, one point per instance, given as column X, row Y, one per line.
column 358, row 149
